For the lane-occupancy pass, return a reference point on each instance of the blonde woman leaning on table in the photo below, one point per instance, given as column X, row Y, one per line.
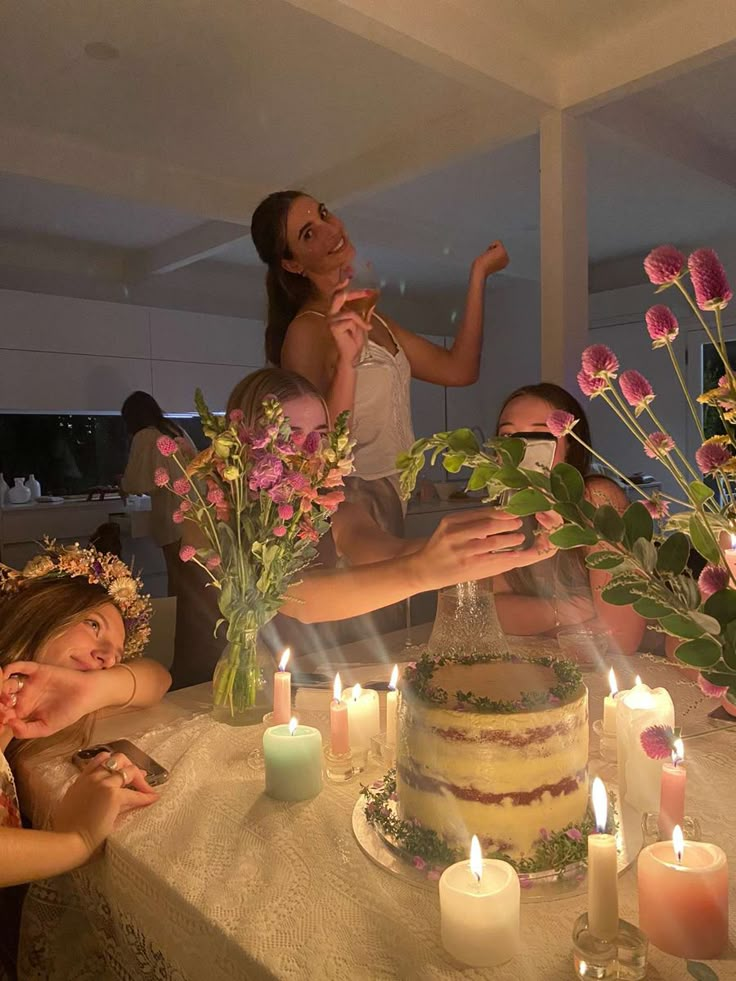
column 145, row 422
column 312, row 330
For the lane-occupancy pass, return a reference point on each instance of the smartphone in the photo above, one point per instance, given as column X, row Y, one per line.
column 155, row 773
column 539, row 455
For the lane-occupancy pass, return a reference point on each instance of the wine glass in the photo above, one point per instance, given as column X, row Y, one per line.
column 362, row 275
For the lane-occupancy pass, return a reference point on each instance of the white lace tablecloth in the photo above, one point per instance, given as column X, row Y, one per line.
column 217, row 882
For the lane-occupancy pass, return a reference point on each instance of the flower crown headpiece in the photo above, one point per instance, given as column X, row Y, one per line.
column 98, row 568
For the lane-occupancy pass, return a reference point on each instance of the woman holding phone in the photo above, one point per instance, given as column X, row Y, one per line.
column 561, row 591
column 360, row 360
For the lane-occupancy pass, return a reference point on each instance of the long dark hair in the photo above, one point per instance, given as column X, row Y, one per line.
column 287, row 292
column 569, row 566
column 141, row 410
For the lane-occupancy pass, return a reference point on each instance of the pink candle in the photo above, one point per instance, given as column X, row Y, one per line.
column 672, row 793
column 683, row 897
column 339, row 738
column 282, row 691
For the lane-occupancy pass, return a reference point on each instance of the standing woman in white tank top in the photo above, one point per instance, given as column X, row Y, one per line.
column 310, row 331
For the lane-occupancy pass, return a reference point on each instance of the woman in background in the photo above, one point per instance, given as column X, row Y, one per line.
column 145, row 422
column 561, row 590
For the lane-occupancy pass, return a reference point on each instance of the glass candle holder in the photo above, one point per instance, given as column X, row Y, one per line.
column 339, row 767
column 623, row 958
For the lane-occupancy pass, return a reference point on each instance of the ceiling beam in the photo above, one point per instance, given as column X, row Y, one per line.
column 474, row 46
column 669, row 42
column 193, row 245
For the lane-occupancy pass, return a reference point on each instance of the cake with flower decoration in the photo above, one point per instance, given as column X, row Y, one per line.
column 493, row 746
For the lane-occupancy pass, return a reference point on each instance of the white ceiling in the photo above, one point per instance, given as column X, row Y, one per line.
column 417, row 121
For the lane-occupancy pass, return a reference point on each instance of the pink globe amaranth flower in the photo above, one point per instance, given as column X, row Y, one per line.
column 161, row 477
column 657, row 507
column 599, row 361
column 236, row 416
column 182, row 486
column 279, row 531
column 712, row 291
column 664, row 265
column 185, row 506
column 712, row 455
column 657, row 742
column 178, row 516
column 187, row 553
column 216, row 496
column 286, row 511
column 662, row 325
column 213, row 562
column 658, row 445
column 560, row 423
column 591, row 386
column 713, row 579
column 636, row 390
column 166, row 445
column 711, row 690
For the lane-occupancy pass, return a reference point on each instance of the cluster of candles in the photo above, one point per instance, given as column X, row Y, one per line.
column 293, row 753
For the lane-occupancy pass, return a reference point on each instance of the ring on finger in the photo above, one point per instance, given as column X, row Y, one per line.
column 19, row 680
column 124, row 774
column 111, row 765
column 13, row 700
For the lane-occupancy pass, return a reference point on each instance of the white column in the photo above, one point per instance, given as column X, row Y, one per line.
column 564, row 247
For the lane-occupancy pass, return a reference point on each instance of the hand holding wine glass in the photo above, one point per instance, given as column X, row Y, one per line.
column 349, row 328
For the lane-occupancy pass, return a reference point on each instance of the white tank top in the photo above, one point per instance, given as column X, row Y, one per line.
column 381, row 423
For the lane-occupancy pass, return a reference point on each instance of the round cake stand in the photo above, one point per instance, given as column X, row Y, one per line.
column 536, row 887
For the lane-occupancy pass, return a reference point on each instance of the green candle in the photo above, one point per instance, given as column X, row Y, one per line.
column 293, row 759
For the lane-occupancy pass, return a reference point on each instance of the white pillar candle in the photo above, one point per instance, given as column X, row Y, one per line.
column 610, row 705
column 292, row 756
column 479, row 910
column 282, row 691
column 638, row 775
column 730, row 556
column 364, row 720
column 602, row 871
column 392, row 707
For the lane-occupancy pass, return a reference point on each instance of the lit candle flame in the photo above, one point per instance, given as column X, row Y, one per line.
column 357, row 692
column 582, row 969
column 394, row 678
column 678, row 752
column 292, row 726
column 678, row 842
column 284, row 659
column 733, row 541
column 600, row 805
column 337, row 688
column 476, row 859
column 612, row 684
column 637, row 680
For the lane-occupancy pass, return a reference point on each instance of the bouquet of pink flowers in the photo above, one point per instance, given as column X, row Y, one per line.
column 649, row 563
column 261, row 498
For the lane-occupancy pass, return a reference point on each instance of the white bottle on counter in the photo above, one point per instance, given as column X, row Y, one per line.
column 34, row 487
column 3, row 489
column 18, row 493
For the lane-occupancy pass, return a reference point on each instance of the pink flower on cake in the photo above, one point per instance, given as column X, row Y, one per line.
column 166, row 445
column 658, row 741
column 434, row 874
column 712, row 291
column 419, row 863
column 574, row 834
column 709, row 689
column 599, row 361
column 591, row 386
column 182, row 486
column 187, row 553
column 636, row 390
column 658, row 445
column 662, row 325
column 560, row 423
column 713, row 454
column 713, row 579
column 161, row 477
column 664, row 265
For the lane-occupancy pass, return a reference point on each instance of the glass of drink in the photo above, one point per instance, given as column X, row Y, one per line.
column 362, row 276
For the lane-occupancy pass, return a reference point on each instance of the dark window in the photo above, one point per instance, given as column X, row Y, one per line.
column 70, row 454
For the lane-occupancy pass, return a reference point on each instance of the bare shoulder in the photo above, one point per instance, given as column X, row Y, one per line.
column 306, row 335
column 602, row 490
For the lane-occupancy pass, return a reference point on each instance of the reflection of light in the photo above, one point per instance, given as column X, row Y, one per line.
column 637, row 680
column 394, row 678
column 292, row 726
column 583, row 969
column 678, row 842
column 476, row 859
column 678, row 752
column 600, row 805
column 612, row 682
column 357, row 692
column 284, row 659
column 337, row 688
column 733, row 541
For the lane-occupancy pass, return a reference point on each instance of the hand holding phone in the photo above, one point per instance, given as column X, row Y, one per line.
column 539, row 455
column 155, row 773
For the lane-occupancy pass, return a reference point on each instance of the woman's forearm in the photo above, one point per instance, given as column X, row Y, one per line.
column 115, row 686
column 340, row 396
column 532, row 615
column 466, row 349
column 26, row 855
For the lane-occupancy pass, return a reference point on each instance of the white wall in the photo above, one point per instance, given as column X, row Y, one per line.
column 62, row 354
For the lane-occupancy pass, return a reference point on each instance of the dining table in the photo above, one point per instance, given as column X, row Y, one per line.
column 216, row 881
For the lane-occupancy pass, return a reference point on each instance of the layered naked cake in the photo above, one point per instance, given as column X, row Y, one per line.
column 493, row 747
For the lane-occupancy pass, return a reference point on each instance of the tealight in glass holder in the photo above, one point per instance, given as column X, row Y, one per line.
column 382, row 750
column 623, row 958
column 339, row 767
